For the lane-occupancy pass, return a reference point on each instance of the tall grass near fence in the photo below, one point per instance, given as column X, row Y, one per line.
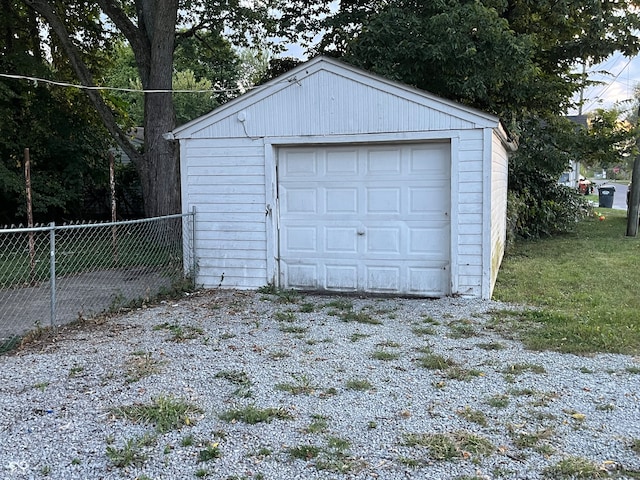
column 51, row 274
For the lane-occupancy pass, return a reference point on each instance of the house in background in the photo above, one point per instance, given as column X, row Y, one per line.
column 330, row 178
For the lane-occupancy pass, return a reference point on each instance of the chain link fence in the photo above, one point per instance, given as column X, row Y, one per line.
column 52, row 275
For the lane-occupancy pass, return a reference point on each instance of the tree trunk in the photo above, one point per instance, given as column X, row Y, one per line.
column 152, row 40
column 160, row 169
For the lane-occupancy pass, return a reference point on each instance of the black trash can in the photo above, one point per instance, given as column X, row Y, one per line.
column 605, row 196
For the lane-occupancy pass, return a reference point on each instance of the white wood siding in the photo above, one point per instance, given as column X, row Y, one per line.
column 499, row 184
column 225, row 181
column 326, row 104
column 469, row 219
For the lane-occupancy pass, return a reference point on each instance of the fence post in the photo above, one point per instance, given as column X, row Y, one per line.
column 193, row 243
column 52, row 268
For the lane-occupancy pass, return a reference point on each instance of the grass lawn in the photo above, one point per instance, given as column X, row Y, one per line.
column 586, row 285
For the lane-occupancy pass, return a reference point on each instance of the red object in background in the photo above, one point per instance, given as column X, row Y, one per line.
column 584, row 187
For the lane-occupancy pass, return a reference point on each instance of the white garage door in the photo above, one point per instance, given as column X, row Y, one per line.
column 365, row 218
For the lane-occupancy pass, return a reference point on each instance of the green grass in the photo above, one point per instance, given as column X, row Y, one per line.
column 253, row 415
column 585, row 285
column 165, row 413
column 450, row 446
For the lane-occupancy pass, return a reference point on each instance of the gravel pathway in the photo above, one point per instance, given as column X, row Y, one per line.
column 348, row 388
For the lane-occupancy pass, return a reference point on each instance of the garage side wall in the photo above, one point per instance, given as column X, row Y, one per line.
column 469, row 203
column 499, row 184
column 225, row 180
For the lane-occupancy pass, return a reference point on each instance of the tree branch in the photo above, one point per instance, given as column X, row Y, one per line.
column 44, row 9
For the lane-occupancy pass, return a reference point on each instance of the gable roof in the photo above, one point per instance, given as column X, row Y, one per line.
column 328, row 96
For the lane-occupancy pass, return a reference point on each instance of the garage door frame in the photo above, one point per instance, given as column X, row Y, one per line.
column 272, row 145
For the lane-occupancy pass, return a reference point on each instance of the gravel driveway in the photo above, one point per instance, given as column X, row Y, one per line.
column 283, row 386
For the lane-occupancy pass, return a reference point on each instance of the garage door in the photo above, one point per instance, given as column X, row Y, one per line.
column 365, row 218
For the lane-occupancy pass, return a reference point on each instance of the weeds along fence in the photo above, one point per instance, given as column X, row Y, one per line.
column 52, row 275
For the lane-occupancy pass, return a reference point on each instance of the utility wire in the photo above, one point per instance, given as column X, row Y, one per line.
column 133, row 90
column 610, row 84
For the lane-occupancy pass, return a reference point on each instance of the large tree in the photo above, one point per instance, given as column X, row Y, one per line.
column 66, row 139
column 514, row 58
column 150, row 27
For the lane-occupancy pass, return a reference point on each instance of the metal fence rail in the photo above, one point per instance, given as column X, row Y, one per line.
column 51, row 275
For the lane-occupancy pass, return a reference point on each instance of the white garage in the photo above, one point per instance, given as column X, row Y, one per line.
column 330, row 178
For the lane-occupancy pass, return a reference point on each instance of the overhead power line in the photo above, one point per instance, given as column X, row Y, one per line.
column 117, row 89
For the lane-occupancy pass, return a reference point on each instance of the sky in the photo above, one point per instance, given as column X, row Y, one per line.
column 619, row 77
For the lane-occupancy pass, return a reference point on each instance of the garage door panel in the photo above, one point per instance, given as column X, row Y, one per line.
column 341, row 240
column 383, row 240
column 428, row 280
column 342, row 162
column 300, row 239
column 428, row 199
column 380, row 222
column 300, row 200
column 302, row 276
column 341, row 278
column 382, row 200
column 341, row 200
column 383, row 279
column 384, row 161
column 430, row 159
column 427, row 242
column 302, row 163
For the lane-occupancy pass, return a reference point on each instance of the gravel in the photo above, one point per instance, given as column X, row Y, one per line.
column 537, row 413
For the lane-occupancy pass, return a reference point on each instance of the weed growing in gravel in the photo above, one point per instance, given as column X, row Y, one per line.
column 384, row 355
column 187, row 441
column 278, row 355
column 210, row 452
column 293, row 329
column 432, row 361
column 45, row 470
column 307, row 307
column 304, row 452
column 239, row 378
column 180, row 333
column 319, row 424
column 450, row 446
column 357, row 336
column 475, row 416
column 524, row 439
column 165, row 413
column 633, row 370
column 302, row 386
column 252, row 415
column 491, row 346
column 428, row 319
column 333, row 457
column 340, row 304
column 286, row 316
column 227, row 336
column 462, row 374
column 131, row 453
column 423, row 331
column 574, row 467
column 75, row 371
column 141, row 365
column 42, row 386
column 518, row 368
column 462, row 329
column 498, row 401
column 389, row 344
column 358, row 385
column 360, row 317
